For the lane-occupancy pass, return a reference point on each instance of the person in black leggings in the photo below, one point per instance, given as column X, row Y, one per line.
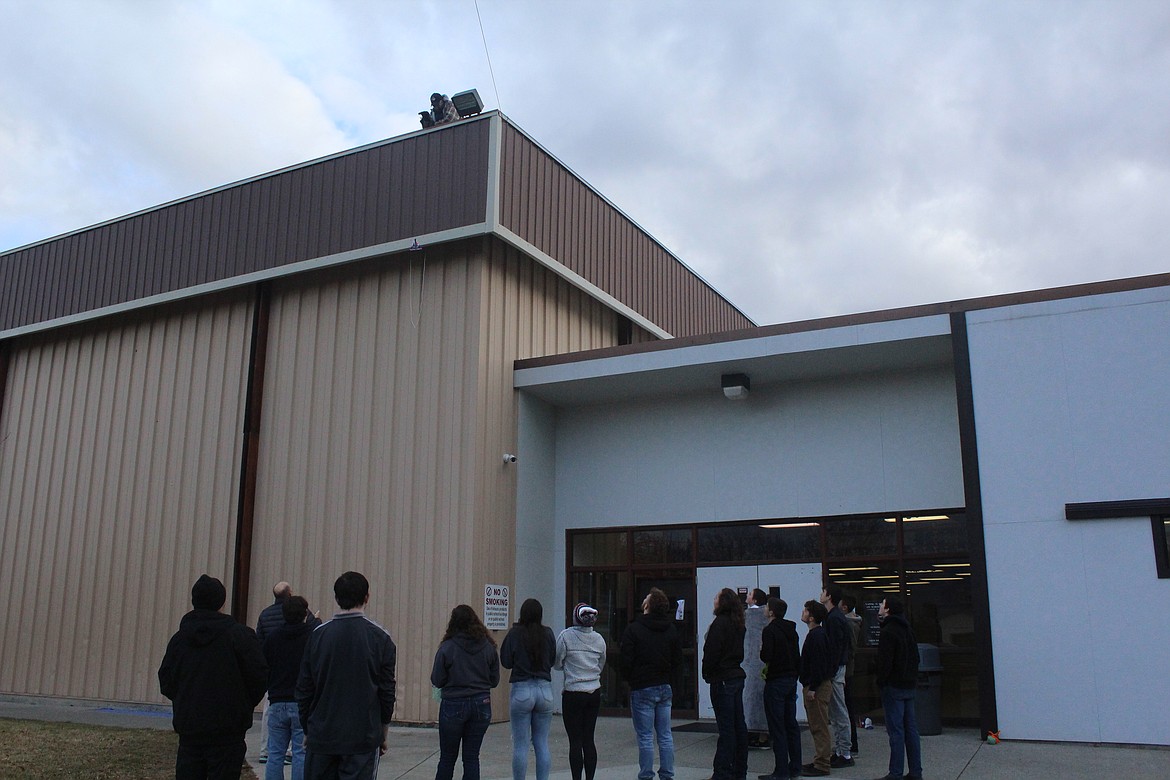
column 581, row 655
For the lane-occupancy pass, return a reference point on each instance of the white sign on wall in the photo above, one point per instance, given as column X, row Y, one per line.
column 495, row 607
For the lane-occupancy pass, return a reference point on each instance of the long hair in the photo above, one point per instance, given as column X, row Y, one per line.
column 729, row 604
column 465, row 621
column 531, row 613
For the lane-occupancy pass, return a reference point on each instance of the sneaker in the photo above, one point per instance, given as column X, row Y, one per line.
column 839, row 761
column 263, row 758
column 814, row 772
column 287, row 759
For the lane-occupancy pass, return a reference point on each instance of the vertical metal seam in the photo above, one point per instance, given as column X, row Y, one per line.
column 494, row 174
column 5, row 352
column 253, row 407
column 976, row 544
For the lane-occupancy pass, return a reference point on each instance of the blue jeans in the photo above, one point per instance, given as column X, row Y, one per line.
column 902, row 728
column 464, row 720
column 530, row 708
column 284, row 727
column 650, row 708
column 732, row 748
column 783, row 730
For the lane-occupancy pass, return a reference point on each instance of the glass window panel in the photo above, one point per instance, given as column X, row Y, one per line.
column 860, row 537
column 600, row 549
column 934, row 534
column 939, row 601
column 869, row 583
column 667, row 546
column 769, row 542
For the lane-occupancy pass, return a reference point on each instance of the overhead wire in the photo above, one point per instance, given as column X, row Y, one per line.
column 488, row 54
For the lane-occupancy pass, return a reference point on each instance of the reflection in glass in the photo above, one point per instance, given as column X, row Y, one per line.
column 860, row 537
column 947, row 534
column 770, row 543
column 666, row 546
column 600, row 549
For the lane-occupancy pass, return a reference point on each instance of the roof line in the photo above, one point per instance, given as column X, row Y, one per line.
column 862, row 318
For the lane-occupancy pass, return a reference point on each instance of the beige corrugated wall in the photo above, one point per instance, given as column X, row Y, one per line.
column 388, row 404
column 119, row 472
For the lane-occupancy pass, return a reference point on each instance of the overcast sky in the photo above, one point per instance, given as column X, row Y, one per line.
column 806, row 158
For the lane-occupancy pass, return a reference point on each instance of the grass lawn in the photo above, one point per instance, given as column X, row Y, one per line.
column 36, row 749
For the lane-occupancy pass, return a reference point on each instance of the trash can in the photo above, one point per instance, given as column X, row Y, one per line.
column 928, row 695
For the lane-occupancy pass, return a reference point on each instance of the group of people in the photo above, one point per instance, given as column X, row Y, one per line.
column 823, row 670
column 331, row 685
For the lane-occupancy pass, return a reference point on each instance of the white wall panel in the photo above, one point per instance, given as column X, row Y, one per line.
column 1072, row 404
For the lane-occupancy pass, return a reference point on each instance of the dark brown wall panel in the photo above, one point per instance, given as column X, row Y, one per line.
column 408, row 187
column 545, row 204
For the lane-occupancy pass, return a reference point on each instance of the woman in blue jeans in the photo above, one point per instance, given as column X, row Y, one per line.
column 529, row 650
column 466, row 669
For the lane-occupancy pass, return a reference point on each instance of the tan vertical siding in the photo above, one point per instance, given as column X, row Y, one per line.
column 369, row 406
column 119, row 458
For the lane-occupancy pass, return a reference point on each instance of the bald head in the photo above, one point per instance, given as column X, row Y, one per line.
column 282, row 590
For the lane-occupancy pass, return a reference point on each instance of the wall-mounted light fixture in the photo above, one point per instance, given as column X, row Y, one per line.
column 467, row 103
column 736, row 386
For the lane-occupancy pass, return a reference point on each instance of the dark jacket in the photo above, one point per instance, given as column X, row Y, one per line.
column 897, row 664
column 214, row 673
column 272, row 618
column 840, row 636
column 651, row 652
column 855, row 638
column 780, row 649
column 723, row 650
column 514, row 655
column 465, row 666
column 284, row 647
column 345, row 691
column 817, row 660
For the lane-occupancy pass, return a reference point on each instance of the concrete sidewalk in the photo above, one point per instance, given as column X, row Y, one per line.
column 956, row 754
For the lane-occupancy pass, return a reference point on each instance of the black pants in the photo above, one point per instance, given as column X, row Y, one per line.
column 210, row 762
column 579, row 712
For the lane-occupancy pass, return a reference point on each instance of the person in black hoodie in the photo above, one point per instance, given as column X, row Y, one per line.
column 466, row 669
column 897, row 678
column 651, row 661
column 780, row 651
column 723, row 670
column 284, row 647
column 215, row 675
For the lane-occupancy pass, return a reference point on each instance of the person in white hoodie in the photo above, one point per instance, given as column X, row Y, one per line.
column 581, row 655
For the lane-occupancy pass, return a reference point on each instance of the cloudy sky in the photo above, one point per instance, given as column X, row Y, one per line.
column 807, row 158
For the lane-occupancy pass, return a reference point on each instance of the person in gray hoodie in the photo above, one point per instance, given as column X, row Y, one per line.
column 581, row 655
column 466, row 669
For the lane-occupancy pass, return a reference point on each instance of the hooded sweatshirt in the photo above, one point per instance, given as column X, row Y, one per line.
column 651, row 652
column 897, row 664
column 284, row 647
column 215, row 674
column 581, row 654
column 465, row 666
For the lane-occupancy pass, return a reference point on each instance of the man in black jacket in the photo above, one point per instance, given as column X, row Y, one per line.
column 897, row 677
column 345, row 691
column 780, row 652
column 272, row 619
column 215, row 674
column 841, row 636
column 651, row 660
column 284, row 647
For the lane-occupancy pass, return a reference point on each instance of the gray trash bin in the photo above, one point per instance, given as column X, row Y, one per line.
column 928, row 696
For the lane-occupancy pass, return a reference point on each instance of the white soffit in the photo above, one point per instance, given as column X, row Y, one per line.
column 819, row 353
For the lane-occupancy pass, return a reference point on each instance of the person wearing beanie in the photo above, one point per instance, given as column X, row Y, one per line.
column 581, row 656
column 215, row 674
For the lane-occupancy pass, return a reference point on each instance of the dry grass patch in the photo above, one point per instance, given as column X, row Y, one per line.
column 36, row 749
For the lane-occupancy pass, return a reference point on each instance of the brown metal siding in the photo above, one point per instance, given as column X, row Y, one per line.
column 413, row 186
column 119, row 456
column 545, row 204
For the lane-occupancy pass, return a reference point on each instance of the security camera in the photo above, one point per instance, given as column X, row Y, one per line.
column 509, row 457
